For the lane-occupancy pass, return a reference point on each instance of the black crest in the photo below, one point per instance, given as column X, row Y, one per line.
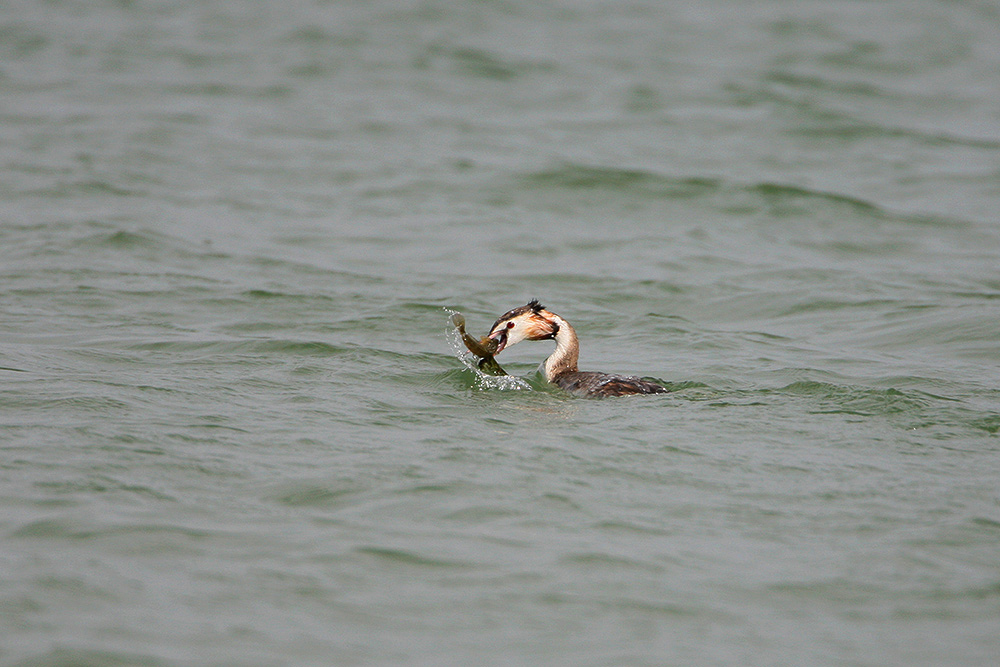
column 531, row 307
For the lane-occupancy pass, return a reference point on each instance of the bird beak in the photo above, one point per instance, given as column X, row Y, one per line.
column 500, row 336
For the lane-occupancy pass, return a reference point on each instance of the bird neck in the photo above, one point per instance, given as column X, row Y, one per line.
column 567, row 352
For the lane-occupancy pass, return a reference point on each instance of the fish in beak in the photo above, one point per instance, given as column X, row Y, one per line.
column 528, row 322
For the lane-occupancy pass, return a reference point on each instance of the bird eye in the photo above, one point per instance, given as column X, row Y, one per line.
column 510, row 325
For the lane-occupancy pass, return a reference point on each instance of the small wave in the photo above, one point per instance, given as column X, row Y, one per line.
column 403, row 557
column 577, row 176
column 312, row 348
column 600, row 186
column 104, row 236
column 788, row 194
column 86, row 187
column 65, row 529
column 129, row 239
column 806, row 94
column 61, row 655
column 314, row 494
column 478, row 63
column 775, row 198
column 989, row 424
column 864, row 401
column 219, row 89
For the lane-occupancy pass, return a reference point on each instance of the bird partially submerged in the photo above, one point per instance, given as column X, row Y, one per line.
column 533, row 322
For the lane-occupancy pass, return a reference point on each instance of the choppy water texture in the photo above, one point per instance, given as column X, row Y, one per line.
column 235, row 426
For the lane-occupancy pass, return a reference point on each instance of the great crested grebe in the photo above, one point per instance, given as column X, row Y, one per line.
column 534, row 322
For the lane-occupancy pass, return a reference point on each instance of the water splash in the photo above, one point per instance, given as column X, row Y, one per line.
column 483, row 381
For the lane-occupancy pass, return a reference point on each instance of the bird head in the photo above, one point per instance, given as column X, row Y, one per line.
column 528, row 322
